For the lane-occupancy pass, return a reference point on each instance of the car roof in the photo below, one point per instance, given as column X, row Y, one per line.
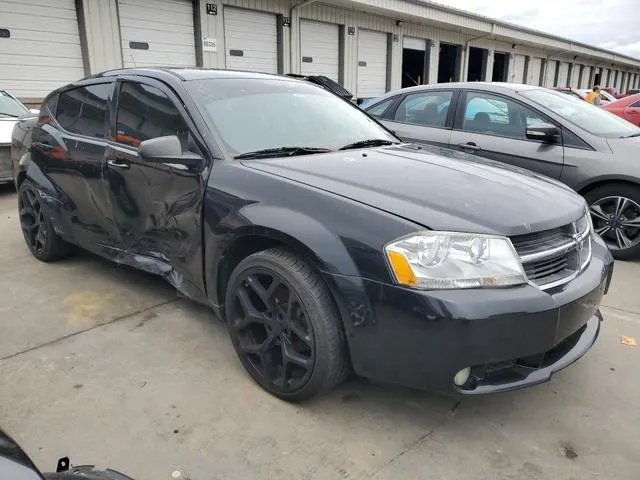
column 503, row 87
column 185, row 73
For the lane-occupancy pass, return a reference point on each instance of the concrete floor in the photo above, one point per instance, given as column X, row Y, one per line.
column 108, row 366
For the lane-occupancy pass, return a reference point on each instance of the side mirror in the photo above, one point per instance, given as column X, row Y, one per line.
column 167, row 150
column 542, row 131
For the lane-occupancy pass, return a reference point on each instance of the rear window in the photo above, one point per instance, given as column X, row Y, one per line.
column 83, row 110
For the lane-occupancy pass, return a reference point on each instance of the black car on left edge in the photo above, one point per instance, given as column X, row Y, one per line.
column 325, row 243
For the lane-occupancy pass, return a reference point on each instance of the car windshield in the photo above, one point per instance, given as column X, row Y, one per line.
column 591, row 118
column 253, row 115
column 10, row 107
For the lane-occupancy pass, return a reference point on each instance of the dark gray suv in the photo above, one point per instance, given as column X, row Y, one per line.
column 593, row 151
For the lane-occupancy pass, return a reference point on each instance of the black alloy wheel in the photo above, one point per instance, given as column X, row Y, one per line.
column 615, row 212
column 38, row 232
column 32, row 221
column 284, row 326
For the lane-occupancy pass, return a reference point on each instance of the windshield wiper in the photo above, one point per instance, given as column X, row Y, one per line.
column 373, row 142
column 637, row 134
column 281, row 152
column 9, row 115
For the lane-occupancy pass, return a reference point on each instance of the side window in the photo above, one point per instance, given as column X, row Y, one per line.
column 83, row 110
column 378, row 110
column 425, row 108
column 494, row 115
column 635, row 104
column 145, row 112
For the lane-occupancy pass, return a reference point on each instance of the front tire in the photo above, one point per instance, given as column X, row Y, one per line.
column 615, row 211
column 284, row 326
column 41, row 238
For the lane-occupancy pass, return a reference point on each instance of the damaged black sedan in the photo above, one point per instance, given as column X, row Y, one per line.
column 325, row 243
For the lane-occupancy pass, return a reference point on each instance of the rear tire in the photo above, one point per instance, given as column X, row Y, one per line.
column 284, row 326
column 38, row 232
column 615, row 210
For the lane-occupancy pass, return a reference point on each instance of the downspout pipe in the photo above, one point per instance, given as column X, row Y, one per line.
column 291, row 11
column 465, row 54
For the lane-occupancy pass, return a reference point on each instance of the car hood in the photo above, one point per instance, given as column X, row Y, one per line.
column 6, row 127
column 625, row 146
column 436, row 188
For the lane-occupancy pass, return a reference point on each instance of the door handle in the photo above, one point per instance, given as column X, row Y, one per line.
column 118, row 164
column 468, row 146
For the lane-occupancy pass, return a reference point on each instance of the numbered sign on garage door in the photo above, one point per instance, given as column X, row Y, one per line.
column 320, row 49
column 40, row 51
column 161, row 33
column 372, row 63
column 251, row 40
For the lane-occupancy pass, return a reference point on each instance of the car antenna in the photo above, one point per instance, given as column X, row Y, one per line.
column 134, row 62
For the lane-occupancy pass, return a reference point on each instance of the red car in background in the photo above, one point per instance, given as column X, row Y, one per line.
column 627, row 108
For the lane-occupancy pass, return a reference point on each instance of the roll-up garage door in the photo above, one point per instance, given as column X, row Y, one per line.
column 517, row 74
column 320, row 49
column 158, row 34
column 551, row 73
column 533, row 72
column 563, row 74
column 607, row 81
column 39, row 46
column 251, row 40
column 372, row 63
column 575, row 76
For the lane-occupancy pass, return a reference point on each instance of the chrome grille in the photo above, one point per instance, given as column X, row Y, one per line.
column 554, row 257
column 546, row 268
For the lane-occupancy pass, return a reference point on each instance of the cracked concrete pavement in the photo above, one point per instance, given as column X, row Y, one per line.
column 106, row 365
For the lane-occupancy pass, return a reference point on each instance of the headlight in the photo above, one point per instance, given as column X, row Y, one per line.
column 586, row 222
column 439, row 260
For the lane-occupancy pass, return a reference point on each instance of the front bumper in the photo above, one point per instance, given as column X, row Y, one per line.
column 511, row 337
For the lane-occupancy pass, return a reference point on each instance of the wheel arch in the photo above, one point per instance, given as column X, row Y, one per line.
column 608, row 180
column 247, row 241
column 265, row 227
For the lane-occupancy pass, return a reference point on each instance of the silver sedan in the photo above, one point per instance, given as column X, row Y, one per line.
column 592, row 151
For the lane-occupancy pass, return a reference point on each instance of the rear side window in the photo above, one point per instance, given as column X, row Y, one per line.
column 425, row 109
column 146, row 112
column 83, row 110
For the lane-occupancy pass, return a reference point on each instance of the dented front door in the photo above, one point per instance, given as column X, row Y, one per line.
column 156, row 207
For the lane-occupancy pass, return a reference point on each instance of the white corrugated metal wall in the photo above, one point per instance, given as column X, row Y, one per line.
column 101, row 24
column 320, row 48
column 251, row 40
column 549, row 81
column 575, row 75
column 162, row 35
column 43, row 49
column 533, row 73
column 563, row 74
column 517, row 72
column 372, row 63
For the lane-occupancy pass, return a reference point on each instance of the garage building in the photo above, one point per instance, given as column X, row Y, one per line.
column 368, row 46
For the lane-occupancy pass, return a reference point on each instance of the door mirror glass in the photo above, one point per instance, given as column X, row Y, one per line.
column 542, row 131
column 167, row 149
